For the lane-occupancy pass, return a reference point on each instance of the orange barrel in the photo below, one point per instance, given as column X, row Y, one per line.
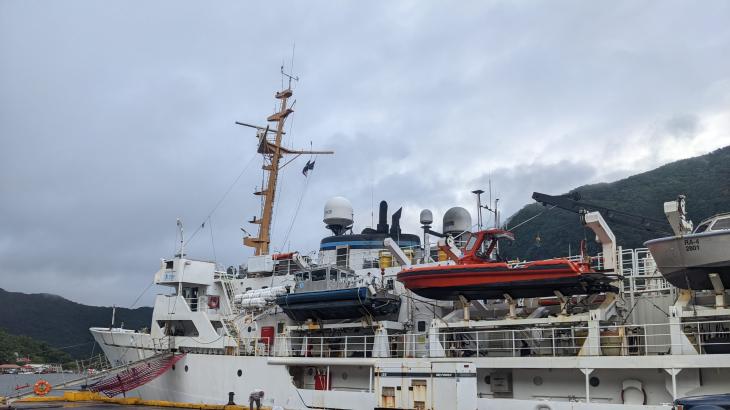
column 267, row 335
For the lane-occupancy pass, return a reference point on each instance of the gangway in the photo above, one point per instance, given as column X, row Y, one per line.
column 97, row 381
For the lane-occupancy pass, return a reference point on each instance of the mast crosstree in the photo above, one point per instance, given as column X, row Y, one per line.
column 272, row 153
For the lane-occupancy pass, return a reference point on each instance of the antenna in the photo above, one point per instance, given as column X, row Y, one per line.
column 289, row 76
column 479, row 193
column 182, row 237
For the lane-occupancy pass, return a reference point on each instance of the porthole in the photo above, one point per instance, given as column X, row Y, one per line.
column 249, row 329
column 344, row 376
column 487, row 379
column 239, row 373
column 310, row 371
column 537, row 381
column 186, row 368
column 594, row 381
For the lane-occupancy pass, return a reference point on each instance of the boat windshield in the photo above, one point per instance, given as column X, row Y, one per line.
column 702, row 227
column 721, row 224
column 470, row 243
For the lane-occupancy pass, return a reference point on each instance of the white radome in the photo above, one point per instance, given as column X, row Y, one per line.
column 338, row 212
column 457, row 219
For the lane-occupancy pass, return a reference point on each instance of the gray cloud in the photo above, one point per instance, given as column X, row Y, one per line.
column 116, row 119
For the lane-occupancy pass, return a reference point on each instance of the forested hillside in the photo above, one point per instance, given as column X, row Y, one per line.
column 13, row 348
column 60, row 322
column 705, row 180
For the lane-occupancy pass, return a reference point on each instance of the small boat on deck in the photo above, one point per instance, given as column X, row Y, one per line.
column 687, row 260
column 479, row 274
column 330, row 293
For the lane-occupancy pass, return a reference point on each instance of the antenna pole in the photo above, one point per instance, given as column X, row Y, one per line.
column 479, row 193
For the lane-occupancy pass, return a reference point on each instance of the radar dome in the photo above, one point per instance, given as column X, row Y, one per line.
column 426, row 217
column 457, row 220
column 338, row 214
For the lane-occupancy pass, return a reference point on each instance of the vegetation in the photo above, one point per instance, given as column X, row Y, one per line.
column 61, row 323
column 705, row 180
column 13, row 348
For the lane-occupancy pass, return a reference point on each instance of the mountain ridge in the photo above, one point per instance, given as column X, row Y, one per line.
column 62, row 323
column 705, row 180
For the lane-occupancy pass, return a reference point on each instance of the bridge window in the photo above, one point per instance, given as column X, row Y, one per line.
column 319, row 274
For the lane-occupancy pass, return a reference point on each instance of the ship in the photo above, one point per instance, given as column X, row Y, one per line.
column 342, row 330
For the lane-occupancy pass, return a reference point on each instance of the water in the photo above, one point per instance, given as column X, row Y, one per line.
column 8, row 382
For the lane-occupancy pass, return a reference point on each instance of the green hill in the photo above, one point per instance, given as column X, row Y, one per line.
column 60, row 322
column 705, row 180
column 14, row 347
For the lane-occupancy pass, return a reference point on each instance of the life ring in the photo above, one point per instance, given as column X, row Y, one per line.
column 41, row 388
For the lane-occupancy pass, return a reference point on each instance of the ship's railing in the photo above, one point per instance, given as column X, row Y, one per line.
column 640, row 273
column 706, row 337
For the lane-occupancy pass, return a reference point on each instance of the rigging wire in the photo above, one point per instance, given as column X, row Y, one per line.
column 220, row 201
column 530, row 219
column 141, row 294
column 296, row 211
column 212, row 242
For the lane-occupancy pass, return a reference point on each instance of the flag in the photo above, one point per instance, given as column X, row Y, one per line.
column 308, row 167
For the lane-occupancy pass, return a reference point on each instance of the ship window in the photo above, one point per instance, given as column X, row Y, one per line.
column 168, row 264
column 319, row 274
column 721, row 224
column 702, row 227
column 390, row 284
column 239, row 373
column 333, row 274
column 470, row 244
column 421, row 325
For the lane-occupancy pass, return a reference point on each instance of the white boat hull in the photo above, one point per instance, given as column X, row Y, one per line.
column 685, row 261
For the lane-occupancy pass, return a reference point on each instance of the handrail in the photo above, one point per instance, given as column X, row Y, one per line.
column 615, row 340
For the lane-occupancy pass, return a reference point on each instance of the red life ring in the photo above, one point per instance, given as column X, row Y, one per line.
column 41, row 387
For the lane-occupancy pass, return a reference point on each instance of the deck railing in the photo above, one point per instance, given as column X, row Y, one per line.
column 707, row 337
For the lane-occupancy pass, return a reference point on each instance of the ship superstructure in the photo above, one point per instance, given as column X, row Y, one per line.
column 340, row 331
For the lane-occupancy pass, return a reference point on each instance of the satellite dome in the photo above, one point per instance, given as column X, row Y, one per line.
column 338, row 214
column 457, row 220
column 426, row 217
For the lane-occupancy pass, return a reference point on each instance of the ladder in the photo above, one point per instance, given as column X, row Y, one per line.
column 229, row 319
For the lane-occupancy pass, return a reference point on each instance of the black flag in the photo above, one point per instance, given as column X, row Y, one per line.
column 308, row 167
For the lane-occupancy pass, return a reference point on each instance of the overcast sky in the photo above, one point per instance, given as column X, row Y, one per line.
column 116, row 118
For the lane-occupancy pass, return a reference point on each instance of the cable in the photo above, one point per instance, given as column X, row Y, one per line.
column 220, row 201
column 296, row 211
column 529, row 219
column 141, row 294
column 212, row 242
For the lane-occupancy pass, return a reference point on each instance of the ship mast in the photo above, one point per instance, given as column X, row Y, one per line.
column 272, row 153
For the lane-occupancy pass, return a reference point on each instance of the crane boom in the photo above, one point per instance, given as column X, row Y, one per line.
column 573, row 203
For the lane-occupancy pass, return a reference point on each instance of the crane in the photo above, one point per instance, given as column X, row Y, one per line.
column 573, row 203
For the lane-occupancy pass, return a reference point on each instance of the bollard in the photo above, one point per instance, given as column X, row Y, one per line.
column 230, row 398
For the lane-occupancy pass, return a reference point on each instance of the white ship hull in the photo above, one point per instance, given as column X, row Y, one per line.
column 358, row 383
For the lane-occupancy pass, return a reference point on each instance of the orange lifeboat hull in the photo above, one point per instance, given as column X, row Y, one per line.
column 492, row 280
